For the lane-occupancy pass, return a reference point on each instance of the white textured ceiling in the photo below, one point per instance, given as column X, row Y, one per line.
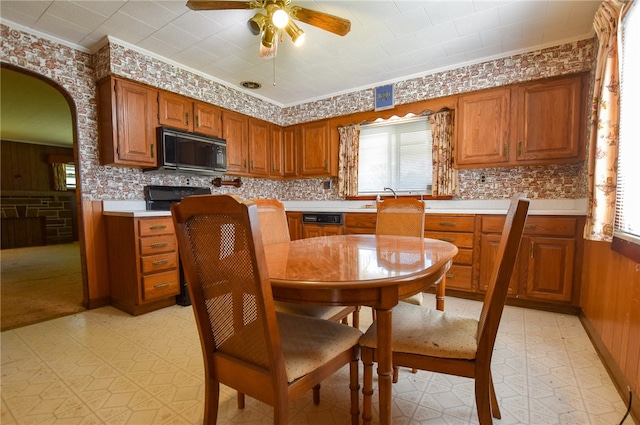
column 389, row 40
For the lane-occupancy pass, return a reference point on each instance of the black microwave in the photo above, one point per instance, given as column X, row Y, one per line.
column 190, row 153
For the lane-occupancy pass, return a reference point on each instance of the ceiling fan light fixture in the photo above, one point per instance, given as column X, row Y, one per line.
column 268, row 36
column 296, row 34
column 279, row 16
column 257, row 23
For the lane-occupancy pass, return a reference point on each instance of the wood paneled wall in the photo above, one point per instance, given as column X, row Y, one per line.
column 25, row 167
column 611, row 313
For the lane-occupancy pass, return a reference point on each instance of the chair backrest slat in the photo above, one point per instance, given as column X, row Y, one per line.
column 505, row 261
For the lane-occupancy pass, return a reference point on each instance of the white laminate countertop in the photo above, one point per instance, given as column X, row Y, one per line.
column 578, row 207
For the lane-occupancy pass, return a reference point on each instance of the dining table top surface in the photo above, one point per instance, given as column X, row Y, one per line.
column 349, row 261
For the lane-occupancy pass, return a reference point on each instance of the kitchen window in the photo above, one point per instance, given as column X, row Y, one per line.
column 627, row 219
column 395, row 154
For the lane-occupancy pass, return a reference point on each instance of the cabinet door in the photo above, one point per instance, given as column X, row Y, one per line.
column 234, row 130
column 549, row 120
column 290, row 152
column 549, row 267
column 175, row 111
column 207, row 119
column 295, row 225
column 259, row 140
column 315, row 148
column 482, row 126
column 276, row 152
column 315, row 230
column 137, row 119
column 488, row 250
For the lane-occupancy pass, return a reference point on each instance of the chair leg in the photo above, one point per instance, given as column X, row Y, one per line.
column 354, row 386
column 395, row 375
column 211, row 400
column 355, row 317
column 483, row 402
column 495, row 409
column 367, row 384
column 316, row 395
column 240, row 400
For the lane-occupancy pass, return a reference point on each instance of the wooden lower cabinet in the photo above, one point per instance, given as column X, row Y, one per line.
column 143, row 263
column 547, row 266
column 295, row 225
column 315, row 230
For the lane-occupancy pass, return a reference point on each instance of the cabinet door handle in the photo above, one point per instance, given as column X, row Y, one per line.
column 159, row 245
column 186, row 118
column 447, row 224
column 197, row 121
column 160, row 262
column 158, row 227
column 244, row 163
column 531, row 247
column 161, row 284
column 530, row 226
column 450, row 275
column 506, row 150
column 448, row 239
column 326, row 163
column 251, row 164
column 520, row 148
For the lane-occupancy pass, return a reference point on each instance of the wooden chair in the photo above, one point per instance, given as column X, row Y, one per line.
column 440, row 342
column 246, row 344
column 401, row 217
column 275, row 229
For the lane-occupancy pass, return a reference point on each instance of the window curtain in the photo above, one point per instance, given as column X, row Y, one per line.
column 605, row 113
column 348, row 160
column 59, row 176
column 445, row 177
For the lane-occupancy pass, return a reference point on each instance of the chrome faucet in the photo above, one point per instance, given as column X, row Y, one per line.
column 393, row 191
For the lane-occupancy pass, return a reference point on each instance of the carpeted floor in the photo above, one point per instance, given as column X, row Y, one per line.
column 39, row 283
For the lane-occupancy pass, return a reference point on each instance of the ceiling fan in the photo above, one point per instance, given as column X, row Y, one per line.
column 278, row 17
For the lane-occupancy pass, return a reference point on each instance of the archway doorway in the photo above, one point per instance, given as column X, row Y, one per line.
column 40, row 260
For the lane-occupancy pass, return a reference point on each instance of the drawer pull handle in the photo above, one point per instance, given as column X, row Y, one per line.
column 161, row 284
column 450, row 275
column 158, row 227
column 448, row 239
column 160, row 262
column 530, row 226
column 447, row 224
column 159, row 245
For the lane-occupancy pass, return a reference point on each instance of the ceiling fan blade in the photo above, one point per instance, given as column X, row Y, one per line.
column 334, row 24
column 218, row 5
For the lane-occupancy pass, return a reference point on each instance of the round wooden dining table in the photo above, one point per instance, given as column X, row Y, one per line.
column 357, row 270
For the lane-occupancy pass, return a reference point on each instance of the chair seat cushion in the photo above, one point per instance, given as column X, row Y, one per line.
column 427, row 332
column 317, row 311
column 308, row 343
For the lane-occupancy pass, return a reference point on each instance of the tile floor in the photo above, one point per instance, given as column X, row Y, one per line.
column 105, row 367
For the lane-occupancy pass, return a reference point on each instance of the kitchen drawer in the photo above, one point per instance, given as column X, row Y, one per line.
column 459, row 277
column 449, row 223
column 156, row 263
column 552, row 226
column 160, row 285
column 155, row 226
column 464, row 256
column 461, row 240
column 360, row 220
column 157, row 245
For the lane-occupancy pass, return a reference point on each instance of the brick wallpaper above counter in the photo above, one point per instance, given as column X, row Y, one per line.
column 489, row 206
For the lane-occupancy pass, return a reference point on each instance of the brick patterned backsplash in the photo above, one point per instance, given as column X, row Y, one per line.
column 54, row 207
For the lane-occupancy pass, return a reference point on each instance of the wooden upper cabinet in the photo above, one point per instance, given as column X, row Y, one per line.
column 175, row 111
column 259, row 144
column 182, row 113
column 207, row 119
column 314, row 157
column 482, row 125
column 128, row 117
column 235, row 132
column 290, row 152
column 549, row 120
column 276, row 147
column 536, row 123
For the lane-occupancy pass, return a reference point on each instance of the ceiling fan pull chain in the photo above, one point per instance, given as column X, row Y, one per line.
column 274, row 70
